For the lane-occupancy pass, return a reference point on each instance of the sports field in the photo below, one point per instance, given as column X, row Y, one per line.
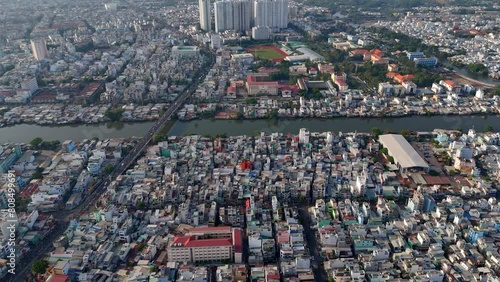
column 267, row 52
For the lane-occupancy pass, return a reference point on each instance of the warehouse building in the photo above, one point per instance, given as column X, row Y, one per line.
column 403, row 153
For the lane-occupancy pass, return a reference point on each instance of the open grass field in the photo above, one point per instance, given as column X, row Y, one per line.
column 267, row 52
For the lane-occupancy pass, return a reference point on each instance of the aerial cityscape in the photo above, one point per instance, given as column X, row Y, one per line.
column 250, row 141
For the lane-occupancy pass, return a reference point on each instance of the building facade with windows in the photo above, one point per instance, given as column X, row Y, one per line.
column 205, row 15
column 207, row 244
column 426, row 61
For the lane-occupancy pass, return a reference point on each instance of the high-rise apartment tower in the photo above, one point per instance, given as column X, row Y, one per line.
column 39, row 48
column 205, row 16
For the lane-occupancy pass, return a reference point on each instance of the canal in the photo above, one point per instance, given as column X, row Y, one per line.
column 463, row 71
column 250, row 127
column 25, row 133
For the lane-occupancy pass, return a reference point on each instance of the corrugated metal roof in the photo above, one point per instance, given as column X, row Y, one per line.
column 402, row 152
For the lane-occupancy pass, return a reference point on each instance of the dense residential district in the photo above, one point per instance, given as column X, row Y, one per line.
column 297, row 207
column 266, row 207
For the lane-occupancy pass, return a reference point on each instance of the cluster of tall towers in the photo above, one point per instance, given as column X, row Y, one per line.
column 241, row 15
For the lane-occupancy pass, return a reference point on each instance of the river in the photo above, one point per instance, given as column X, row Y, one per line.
column 25, row 133
column 463, row 71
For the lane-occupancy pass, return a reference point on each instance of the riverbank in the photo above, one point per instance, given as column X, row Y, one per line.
column 231, row 117
column 472, row 81
column 62, row 114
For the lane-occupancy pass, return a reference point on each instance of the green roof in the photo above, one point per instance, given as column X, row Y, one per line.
column 324, row 223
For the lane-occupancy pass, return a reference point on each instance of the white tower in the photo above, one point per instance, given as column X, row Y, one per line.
column 480, row 93
column 39, row 48
column 304, row 136
column 215, row 41
column 271, row 13
column 329, row 137
column 232, row 15
column 205, row 17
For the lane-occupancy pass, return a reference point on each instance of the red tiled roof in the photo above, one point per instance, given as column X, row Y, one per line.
column 238, row 244
column 263, row 83
column 59, row 278
column 436, row 180
column 29, row 190
column 376, row 57
column 340, row 82
column 408, row 77
column 359, row 52
column 283, row 238
column 292, row 88
column 205, row 229
column 377, row 52
column 392, row 74
column 450, row 83
column 192, row 242
column 267, row 70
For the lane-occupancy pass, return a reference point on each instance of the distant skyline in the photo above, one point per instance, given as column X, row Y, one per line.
column 241, row 15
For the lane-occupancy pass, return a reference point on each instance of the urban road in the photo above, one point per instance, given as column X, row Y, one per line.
column 63, row 218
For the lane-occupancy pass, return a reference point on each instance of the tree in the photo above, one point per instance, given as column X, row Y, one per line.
column 40, row 266
column 141, row 204
column 433, row 173
column 316, row 94
column 50, row 145
column 108, row 169
column 251, row 101
column 488, row 128
column 376, row 132
column 477, row 69
column 390, row 159
column 153, row 269
column 22, row 203
column 158, row 138
column 273, row 114
column 495, row 91
column 141, row 246
column 405, row 132
column 36, row 142
column 114, row 114
column 37, row 175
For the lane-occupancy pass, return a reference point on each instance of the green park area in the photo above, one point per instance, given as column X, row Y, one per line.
column 267, row 53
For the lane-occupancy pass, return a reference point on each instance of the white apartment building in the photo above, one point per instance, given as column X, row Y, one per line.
column 233, row 15
column 261, row 32
column 30, row 84
column 39, row 49
column 271, row 13
column 205, row 15
column 185, row 51
column 206, row 244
